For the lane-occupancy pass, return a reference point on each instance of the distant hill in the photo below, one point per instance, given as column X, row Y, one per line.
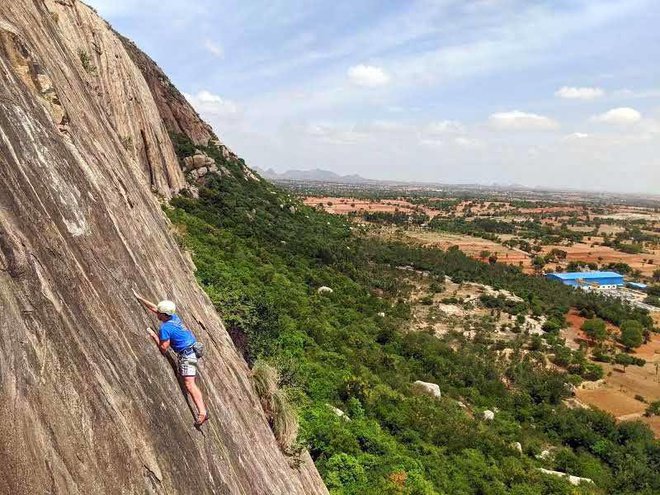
column 312, row 175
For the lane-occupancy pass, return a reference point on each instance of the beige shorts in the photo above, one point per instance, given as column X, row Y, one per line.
column 188, row 364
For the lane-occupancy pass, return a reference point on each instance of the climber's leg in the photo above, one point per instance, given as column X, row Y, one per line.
column 197, row 398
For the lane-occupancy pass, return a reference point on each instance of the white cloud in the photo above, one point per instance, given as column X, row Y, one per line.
column 576, row 136
column 466, row 142
column 334, row 134
column 516, row 120
column 213, row 48
column 444, row 127
column 368, row 76
column 619, row 116
column 573, row 93
column 214, row 107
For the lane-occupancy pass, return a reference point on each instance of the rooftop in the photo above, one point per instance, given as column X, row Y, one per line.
column 586, row 275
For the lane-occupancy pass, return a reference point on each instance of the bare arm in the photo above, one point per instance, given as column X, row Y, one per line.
column 147, row 304
column 163, row 345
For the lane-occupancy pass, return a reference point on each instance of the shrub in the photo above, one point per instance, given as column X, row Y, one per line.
column 86, row 62
column 281, row 414
column 265, row 379
column 344, row 470
column 427, row 300
column 284, row 421
column 632, row 334
column 602, row 356
column 653, row 301
column 592, row 372
column 623, row 359
column 653, row 409
column 595, row 329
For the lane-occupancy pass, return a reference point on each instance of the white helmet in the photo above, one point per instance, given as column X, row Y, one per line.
column 166, row 307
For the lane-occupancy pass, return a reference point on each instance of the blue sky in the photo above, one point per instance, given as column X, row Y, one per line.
column 556, row 93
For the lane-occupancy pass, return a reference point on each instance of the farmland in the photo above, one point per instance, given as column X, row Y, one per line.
column 537, row 235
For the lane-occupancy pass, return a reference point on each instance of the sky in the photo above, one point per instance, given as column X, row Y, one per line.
column 541, row 93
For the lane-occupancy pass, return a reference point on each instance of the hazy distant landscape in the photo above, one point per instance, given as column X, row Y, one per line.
column 537, row 232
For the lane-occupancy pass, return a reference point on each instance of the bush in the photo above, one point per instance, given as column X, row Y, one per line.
column 266, row 379
column 653, row 301
column 426, row 300
column 595, row 329
column 284, row 421
column 592, row 372
column 623, row 359
column 653, row 409
column 281, row 415
column 86, row 62
column 344, row 470
column 602, row 356
column 632, row 334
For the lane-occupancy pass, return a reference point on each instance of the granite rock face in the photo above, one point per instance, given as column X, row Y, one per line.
column 177, row 114
column 87, row 404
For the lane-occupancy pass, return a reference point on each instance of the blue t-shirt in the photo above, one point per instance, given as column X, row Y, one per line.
column 179, row 336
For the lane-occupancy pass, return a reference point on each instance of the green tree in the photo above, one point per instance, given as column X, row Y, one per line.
column 624, row 360
column 595, row 329
column 632, row 334
column 653, row 409
column 538, row 262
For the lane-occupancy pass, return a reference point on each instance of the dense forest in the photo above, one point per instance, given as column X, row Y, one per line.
column 262, row 257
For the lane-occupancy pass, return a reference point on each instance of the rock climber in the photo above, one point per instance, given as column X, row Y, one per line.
column 173, row 334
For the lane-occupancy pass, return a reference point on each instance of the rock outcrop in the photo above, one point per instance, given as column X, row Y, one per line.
column 432, row 389
column 87, row 404
column 573, row 480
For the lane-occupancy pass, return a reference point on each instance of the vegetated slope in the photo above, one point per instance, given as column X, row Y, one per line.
column 87, row 403
column 262, row 256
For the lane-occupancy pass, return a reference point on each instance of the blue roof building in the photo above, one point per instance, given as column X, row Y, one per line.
column 637, row 285
column 587, row 280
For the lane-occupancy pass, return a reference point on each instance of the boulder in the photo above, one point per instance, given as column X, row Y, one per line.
column 489, row 415
column 427, row 388
column 592, row 385
column 573, row 480
column 545, row 455
column 198, row 160
column 517, row 446
column 324, row 290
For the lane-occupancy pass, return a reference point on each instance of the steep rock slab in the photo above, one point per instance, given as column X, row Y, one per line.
column 177, row 114
column 87, row 404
